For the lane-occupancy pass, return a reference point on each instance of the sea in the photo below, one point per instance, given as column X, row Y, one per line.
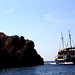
column 49, row 68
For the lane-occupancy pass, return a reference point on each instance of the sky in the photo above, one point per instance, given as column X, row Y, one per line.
column 39, row 20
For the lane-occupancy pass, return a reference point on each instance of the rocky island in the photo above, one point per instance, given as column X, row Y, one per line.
column 15, row 51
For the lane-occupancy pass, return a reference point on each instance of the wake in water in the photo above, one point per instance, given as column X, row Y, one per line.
column 54, row 62
column 49, row 62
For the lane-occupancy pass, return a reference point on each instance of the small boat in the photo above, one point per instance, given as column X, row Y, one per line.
column 66, row 55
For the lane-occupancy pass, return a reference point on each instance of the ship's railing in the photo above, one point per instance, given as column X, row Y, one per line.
column 70, row 48
column 72, row 56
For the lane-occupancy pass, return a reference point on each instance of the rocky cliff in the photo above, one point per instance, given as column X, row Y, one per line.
column 16, row 51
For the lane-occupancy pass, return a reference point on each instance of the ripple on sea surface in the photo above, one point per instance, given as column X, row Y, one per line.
column 47, row 69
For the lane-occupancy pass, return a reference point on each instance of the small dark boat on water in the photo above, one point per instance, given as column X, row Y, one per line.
column 66, row 55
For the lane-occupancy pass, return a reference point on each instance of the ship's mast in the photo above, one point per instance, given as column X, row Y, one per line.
column 62, row 40
column 70, row 39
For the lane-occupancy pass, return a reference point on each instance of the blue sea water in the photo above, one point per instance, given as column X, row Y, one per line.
column 49, row 68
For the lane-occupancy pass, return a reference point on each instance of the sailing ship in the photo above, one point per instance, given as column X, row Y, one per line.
column 66, row 55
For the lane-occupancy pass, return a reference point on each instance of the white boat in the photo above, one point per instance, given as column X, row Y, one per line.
column 66, row 55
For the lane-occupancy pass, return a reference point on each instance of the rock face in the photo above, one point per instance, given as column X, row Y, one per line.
column 16, row 51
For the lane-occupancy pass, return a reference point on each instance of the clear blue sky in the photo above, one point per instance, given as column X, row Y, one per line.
column 39, row 20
